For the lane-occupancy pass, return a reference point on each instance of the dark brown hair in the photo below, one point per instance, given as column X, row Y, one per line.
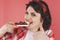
column 42, row 8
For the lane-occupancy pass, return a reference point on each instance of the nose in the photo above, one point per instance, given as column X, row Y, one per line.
column 28, row 18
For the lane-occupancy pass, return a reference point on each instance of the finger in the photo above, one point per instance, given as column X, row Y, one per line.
column 13, row 24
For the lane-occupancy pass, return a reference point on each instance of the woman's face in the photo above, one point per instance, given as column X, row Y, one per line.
column 33, row 18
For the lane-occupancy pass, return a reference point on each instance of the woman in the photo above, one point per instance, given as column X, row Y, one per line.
column 38, row 15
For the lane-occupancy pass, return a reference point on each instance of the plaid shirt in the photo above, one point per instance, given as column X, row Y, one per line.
column 18, row 35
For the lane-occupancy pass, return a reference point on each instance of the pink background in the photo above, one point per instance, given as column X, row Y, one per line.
column 14, row 10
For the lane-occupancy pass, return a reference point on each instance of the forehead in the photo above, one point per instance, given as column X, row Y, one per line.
column 30, row 9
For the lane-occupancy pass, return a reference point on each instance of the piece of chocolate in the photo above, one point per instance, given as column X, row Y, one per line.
column 21, row 23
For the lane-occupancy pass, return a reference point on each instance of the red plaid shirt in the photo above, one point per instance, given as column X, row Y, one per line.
column 18, row 34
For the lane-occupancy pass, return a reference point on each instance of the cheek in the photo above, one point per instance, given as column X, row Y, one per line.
column 36, row 19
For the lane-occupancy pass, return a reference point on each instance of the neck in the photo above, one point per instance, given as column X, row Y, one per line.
column 34, row 29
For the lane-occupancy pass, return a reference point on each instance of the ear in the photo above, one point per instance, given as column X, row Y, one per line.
column 41, row 26
column 41, row 20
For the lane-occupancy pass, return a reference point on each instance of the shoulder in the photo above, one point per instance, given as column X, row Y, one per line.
column 50, row 34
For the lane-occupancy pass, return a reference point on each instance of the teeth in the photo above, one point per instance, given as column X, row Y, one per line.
column 28, row 23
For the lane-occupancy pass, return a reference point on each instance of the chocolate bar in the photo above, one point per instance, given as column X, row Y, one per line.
column 21, row 24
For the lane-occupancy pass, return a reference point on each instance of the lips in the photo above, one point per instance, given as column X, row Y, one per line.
column 31, row 23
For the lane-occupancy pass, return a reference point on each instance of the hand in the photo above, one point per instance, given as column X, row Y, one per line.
column 8, row 27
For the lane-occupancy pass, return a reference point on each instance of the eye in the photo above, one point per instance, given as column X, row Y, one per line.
column 33, row 14
column 26, row 13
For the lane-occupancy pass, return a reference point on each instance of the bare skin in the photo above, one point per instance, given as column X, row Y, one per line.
column 8, row 27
